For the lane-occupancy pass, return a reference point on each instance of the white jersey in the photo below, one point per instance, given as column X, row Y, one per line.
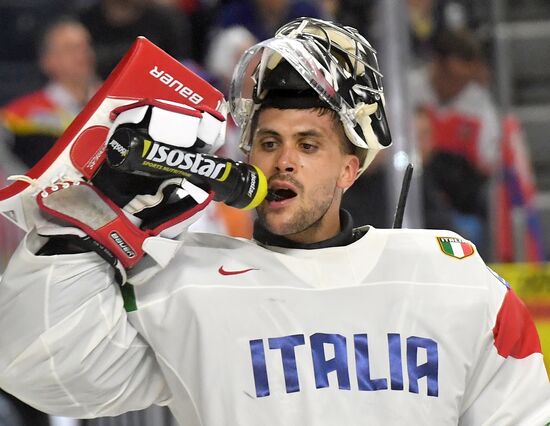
column 399, row 327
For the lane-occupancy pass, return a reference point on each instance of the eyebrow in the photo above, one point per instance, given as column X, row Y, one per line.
column 304, row 133
column 266, row 132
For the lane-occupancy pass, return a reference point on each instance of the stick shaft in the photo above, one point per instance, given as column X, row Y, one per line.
column 400, row 210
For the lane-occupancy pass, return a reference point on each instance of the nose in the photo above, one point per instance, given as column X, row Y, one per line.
column 286, row 160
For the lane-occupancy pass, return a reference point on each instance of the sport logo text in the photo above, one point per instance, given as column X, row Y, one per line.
column 163, row 157
column 176, row 85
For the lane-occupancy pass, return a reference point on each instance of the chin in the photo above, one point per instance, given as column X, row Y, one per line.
column 278, row 227
column 276, row 223
column 286, row 224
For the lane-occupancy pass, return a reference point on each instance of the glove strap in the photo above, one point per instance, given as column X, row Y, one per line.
column 73, row 244
column 98, row 224
column 83, row 206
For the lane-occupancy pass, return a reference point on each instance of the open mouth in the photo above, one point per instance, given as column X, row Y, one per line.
column 280, row 194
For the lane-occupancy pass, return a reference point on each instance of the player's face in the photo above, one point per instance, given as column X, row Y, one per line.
column 300, row 153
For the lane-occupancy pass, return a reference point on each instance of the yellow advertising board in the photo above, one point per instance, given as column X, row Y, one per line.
column 532, row 283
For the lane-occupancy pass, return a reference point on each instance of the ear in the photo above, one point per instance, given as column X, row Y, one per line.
column 350, row 168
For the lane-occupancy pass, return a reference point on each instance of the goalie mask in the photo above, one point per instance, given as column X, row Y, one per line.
column 312, row 63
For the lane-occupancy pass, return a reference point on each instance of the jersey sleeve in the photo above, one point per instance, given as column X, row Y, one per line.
column 67, row 347
column 509, row 384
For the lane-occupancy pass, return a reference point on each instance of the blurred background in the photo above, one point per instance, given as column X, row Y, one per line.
column 467, row 93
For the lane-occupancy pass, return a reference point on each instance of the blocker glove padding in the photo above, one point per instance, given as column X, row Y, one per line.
column 198, row 129
column 123, row 216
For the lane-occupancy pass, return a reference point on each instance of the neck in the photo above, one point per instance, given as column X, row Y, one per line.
column 327, row 225
column 342, row 237
column 322, row 230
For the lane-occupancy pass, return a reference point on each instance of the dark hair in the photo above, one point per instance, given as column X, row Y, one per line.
column 60, row 21
column 461, row 44
column 345, row 144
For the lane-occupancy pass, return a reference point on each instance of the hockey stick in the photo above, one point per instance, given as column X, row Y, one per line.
column 400, row 210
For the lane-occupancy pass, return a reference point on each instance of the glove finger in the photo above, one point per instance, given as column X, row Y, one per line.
column 145, row 201
column 209, row 131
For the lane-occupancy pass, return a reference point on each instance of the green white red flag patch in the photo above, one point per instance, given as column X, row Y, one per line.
column 455, row 247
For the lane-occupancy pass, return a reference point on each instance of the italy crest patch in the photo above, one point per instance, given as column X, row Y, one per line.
column 455, row 247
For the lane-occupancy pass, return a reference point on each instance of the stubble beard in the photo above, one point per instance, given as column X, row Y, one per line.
column 304, row 218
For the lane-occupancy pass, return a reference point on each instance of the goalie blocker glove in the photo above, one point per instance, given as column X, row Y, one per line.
column 123, row 216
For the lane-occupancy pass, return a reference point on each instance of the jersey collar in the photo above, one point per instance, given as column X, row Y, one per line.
column 345, row 237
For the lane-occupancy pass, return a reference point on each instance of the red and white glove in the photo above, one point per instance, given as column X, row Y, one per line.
column 124, row 217
column 197, row 128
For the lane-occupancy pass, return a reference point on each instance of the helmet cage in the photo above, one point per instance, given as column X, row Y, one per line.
column 336, row 61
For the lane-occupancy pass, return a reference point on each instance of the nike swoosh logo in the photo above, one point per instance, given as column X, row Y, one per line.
column 237, row 272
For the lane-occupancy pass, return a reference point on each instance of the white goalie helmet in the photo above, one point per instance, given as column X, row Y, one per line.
column 314, row 63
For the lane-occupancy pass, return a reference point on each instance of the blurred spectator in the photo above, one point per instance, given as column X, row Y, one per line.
column 30, row 125
column 427, row 18
column 115, row 24
column 450, row 88
column 465, row 125
column 519, row 236
column 356, row 13
column 225, row 49
column 199, row 16
column 437, row 211
column 35, row 121
column 263, row 17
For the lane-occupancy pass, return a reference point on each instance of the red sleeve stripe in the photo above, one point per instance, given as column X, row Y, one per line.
column 515, row 333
